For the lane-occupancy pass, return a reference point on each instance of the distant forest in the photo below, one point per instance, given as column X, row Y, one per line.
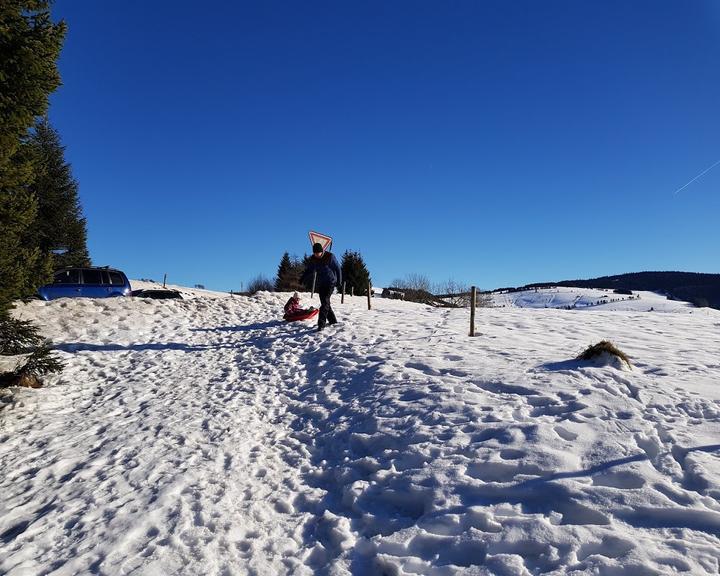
column 699, row 289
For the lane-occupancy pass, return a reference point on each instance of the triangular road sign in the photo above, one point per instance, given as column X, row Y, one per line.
column 317, row 238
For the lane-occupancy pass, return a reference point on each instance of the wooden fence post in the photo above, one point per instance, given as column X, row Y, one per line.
column 473, row 303
column 369, row 302
column 342, row 298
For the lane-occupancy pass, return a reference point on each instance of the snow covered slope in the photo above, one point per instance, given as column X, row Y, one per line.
column 590, row 299
column 204, row 436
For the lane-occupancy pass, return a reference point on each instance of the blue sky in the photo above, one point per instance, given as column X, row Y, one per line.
column 492, row 142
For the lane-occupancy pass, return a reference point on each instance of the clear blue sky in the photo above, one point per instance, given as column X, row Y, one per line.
column 493, row 142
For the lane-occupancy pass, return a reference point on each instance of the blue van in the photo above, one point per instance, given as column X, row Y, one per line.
column 86, row 283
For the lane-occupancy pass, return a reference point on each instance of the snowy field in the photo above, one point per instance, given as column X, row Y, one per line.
column 205, row 436
column 590, row 299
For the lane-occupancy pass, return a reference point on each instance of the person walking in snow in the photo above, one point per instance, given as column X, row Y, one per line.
column 329, row 275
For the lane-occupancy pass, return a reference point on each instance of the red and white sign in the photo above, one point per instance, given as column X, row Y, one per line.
column 317, row 238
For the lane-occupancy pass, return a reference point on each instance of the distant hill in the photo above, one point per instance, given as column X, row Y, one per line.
column 697, row 288
column 593, row 299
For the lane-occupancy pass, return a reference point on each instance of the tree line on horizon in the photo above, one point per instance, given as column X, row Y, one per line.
column 356, row 277
column 291, row 269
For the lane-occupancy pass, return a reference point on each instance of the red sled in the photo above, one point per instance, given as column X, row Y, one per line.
column 301, row 315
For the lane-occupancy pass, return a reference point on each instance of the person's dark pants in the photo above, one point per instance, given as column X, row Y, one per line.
column 326, row 312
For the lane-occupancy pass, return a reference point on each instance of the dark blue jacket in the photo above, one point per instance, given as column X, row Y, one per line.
column 328, row 271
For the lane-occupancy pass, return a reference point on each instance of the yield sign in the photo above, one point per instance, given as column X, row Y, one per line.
column 317, row 238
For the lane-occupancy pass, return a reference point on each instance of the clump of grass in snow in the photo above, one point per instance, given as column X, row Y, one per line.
column 604, row 347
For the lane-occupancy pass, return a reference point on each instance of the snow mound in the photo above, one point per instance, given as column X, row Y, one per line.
column 605, row 353
column 609, row 359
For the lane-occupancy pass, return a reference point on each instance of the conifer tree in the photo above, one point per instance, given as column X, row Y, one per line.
column 22, row 337
column 283, row 280
column 61, row 224
column 29, row 44
column 22, row 265
column 29, row 47
column 290, row 271
column 355, row 273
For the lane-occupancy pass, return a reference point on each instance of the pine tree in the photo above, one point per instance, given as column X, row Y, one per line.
column 61, row 224
column 290, row 271
column 30, row 45
column 22, row 265
column 283, row 280
column 22, row 337
column 355, row 273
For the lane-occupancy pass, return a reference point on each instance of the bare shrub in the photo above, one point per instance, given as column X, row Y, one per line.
column 458, row 295
column 417, row 282
column 260, row 284
column 484, row 300
column 454, row 293
column 450, row 294
column 416, row 288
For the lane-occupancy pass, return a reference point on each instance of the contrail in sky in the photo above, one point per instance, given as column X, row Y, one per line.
column 696, row 177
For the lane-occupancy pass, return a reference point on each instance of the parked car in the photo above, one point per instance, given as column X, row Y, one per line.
column 86, row 283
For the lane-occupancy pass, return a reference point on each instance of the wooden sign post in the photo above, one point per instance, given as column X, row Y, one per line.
column 473, row 303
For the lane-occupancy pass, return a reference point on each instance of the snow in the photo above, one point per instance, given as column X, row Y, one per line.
column 590, row 299
column 205, row 436
column 12, row 363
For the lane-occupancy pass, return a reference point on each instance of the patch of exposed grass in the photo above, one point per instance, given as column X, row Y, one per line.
column 603, row 347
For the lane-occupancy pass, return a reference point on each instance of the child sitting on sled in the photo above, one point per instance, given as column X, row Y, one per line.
column 293, row 310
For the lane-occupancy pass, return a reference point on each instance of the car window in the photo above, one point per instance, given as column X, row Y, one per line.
column 92, row 277
column 116, row 279
column 67, row 277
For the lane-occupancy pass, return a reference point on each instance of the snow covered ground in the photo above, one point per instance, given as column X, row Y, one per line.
column 590, row 299
column 204, row 436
